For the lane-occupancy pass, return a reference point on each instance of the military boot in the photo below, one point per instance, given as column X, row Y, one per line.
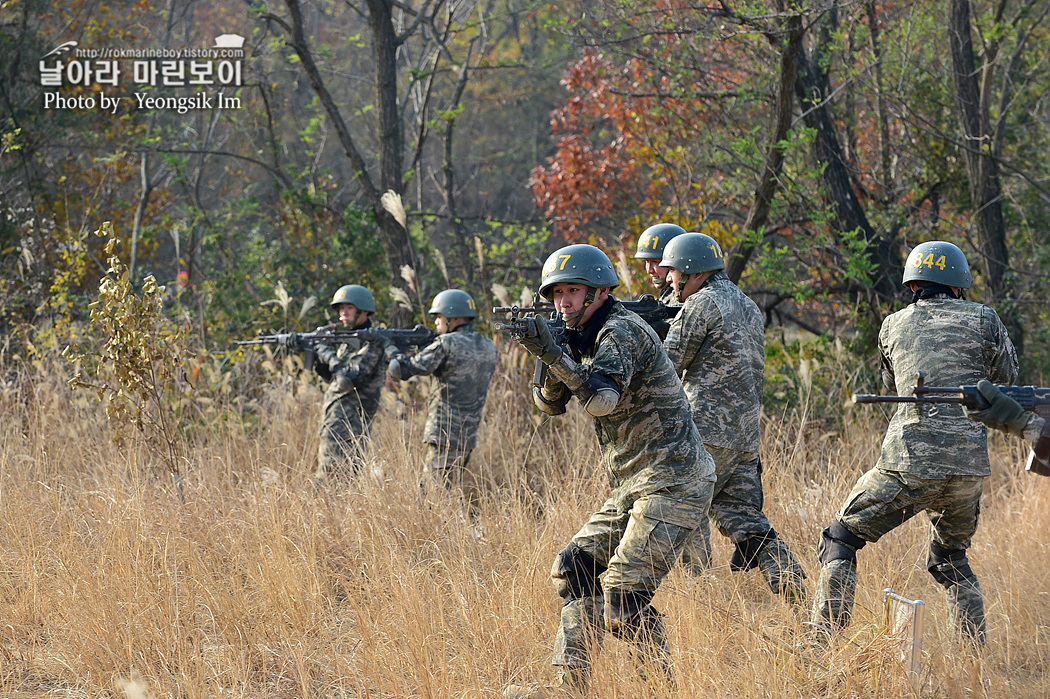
column 571, row 684
column 784, row 575
column 966, row 610
column 835, row 592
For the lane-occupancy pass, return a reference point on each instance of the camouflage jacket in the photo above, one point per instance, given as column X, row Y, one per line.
column 717, row 345
column 648, row 442
column 462, row 363
column 358, row 374
column 954, row 343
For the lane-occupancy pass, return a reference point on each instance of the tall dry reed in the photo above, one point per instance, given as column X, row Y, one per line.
column 250, row 584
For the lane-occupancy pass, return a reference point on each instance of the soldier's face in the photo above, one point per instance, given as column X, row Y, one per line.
column 692, row 285
column 446, row 325
column 657, row 274
column 569, row 297
column 441, row 324
column 350, row 315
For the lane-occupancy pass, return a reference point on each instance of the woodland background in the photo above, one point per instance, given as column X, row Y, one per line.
column 819, row 141
column 159, row 535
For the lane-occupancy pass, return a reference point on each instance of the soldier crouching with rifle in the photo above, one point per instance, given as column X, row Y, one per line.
column 662, row 478
column 932, row 459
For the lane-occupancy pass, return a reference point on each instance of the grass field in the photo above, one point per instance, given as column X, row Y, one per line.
column 251, row 585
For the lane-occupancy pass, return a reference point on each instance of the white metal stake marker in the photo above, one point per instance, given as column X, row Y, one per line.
column 911, row 651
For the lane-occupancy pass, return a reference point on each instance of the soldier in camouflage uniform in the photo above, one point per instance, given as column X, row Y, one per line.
column 651, row 251
column 933, row 459
column 355, row 375
column 717, row 345
column 660, row 474
column 462, row 361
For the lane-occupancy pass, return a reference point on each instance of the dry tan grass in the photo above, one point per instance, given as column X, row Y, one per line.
column 111, row 585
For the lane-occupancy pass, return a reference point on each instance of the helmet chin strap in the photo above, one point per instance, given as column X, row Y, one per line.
column 571, row 318
column 681, row 287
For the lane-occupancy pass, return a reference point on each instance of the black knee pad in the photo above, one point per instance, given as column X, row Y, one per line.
column 575, row 574
column 839, row 543
column 745, row 554
column 948, row 566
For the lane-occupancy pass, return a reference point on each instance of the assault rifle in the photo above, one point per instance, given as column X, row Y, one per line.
column 1029, row 397
column 517, row 325
column 1032, row 398
column 337, row 334
column 647, row 306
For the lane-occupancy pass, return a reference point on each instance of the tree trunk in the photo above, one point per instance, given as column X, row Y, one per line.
column 392, row 234
column 981, row 167
column 391, row 146
column 758, row 215
column 813, row 90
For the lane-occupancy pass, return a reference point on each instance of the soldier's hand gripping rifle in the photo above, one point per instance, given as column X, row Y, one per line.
column 1002, row 407
column 337, row 334
column 651, row 310
column 518, row 326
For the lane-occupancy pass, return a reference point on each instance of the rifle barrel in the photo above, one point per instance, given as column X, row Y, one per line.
column 940, row 398
column 543, row 308
column 872, row 398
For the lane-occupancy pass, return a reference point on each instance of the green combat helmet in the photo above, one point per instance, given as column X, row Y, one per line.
column 654, row 238
column 582, row 264
column 355, row 294
column 453, row 303
column 693, row 253
column 938, row 262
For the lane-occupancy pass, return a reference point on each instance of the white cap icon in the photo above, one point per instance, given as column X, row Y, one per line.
column 229, row 41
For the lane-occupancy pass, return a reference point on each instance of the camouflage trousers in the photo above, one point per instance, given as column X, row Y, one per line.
column 449, row 468
column 636, row 548
column 736, row 510
column 883, row 500
column 344, row 429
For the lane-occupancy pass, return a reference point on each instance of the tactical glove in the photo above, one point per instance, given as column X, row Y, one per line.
column 390, row 350
column 1003, row 412
column 398, row 368
column 538, row 342
column 327, row 354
